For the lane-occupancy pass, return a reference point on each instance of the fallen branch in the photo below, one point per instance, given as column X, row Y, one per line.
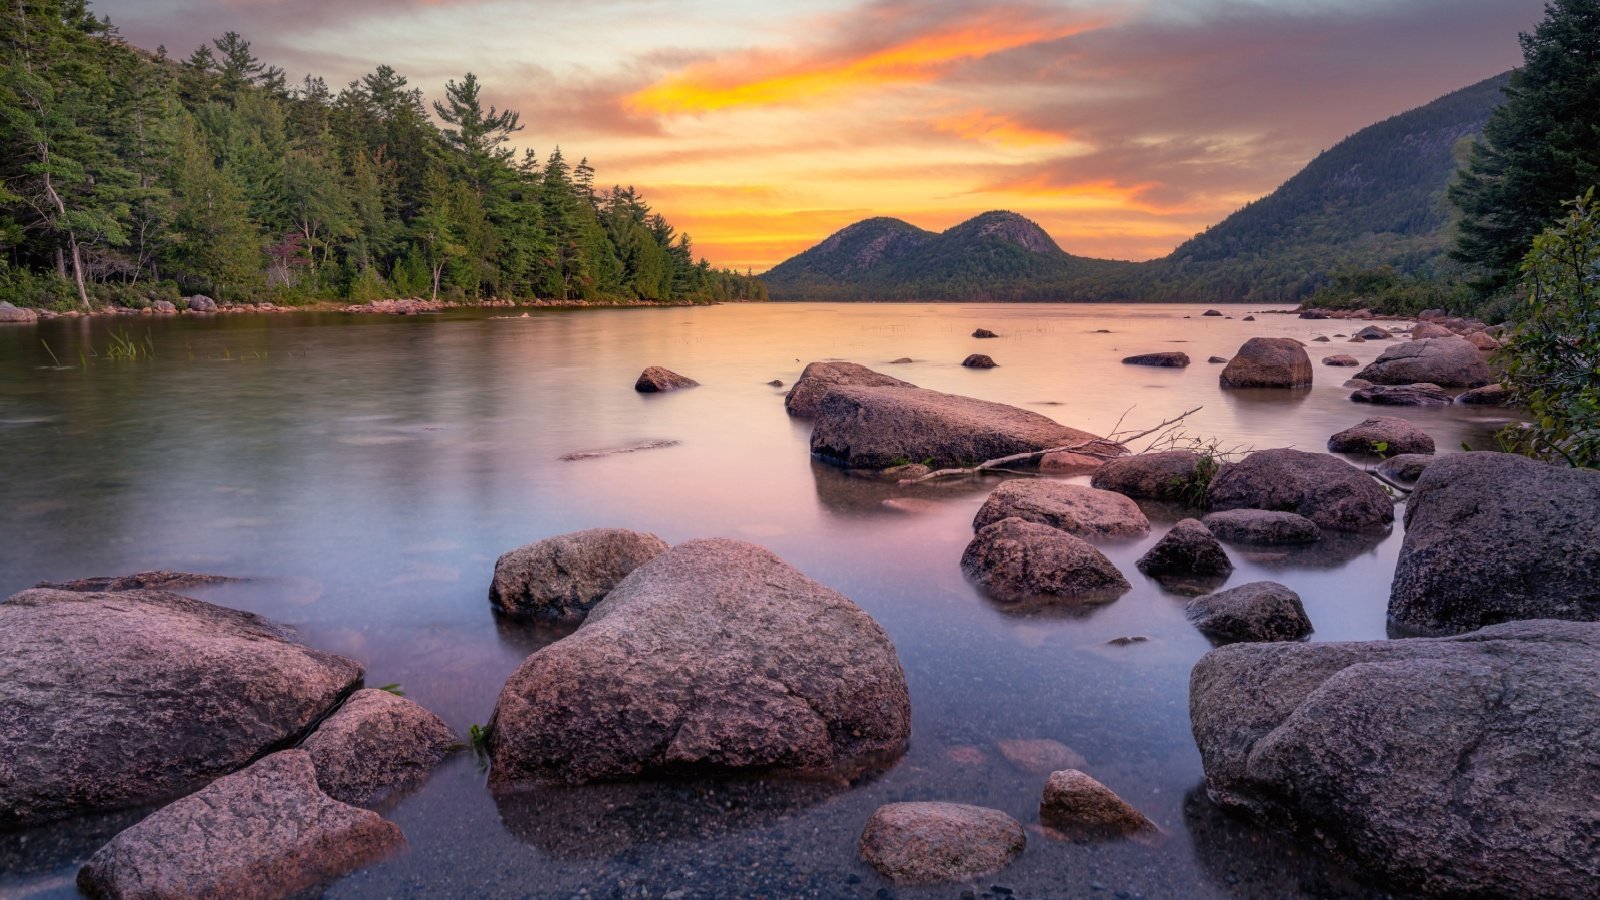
column 1102, row 448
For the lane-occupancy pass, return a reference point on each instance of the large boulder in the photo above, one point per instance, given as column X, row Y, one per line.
column 1400, row 394
column 200, row 303
column 1460, row 766
column 1168, row 475
column 1078, row 807
column 715, row 656
column 1325, row 489
column 1445, row 361
column 561, row 578
column 1167, row 359
column 10, row 313
column 1016, row 561
column 805, row 398
column 878, row 427
column 376, row 744
column 656, row 380
column 1268, row 363
column 262, row 833
column 1493, row 537
column 1188, row 549
column 1381, row 434
column 1259, row 611
column 120, row 699
column 1262, row 527
column 1073, row 508
column 933, row 843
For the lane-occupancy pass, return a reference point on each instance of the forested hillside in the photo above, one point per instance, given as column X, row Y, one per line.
column 128, row 176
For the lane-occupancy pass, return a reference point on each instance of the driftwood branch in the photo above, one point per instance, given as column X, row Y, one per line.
column 1104, row 448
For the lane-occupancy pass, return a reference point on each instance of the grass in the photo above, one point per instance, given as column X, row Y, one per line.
column 124, row 347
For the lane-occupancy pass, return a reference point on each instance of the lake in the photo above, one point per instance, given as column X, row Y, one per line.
column 366, row 471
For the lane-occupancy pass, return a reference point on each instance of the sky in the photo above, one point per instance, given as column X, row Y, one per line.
column 1124, row 127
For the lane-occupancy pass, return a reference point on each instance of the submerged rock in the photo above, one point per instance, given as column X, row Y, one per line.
column 264, row 832
column 715, row 656
column 377, row 743
column 1341, row 361
column 978, row 361
column 1269, row 363
column 1188, row 549
column 1381, row 434
column 1039, row 756
column 1065, row 463
column 1401, row 395
column 561, row 578
column 1017, row 561
column 160, row 580
column 984, row 333
column 1406, row 468
column 1494, row 537
column 1169, row 359
column 1073, row 508
column 1263, row 527
column 1459, row 766
column 1168, row 475
column 1445, row 361
column 934, row 843
column 1080, row 808
column 1217, row 359
column 1260, row 611
column 656, row 380
column 1374, row 333
column 120, row 699
column 805, row 398
column 1325, row 489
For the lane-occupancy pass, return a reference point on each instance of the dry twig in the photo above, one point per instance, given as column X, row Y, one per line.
column 1105, row 448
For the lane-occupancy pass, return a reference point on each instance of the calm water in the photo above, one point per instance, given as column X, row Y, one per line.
column 367, row 471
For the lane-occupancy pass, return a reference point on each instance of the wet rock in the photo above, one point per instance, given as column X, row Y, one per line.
column 376, row 744
column 655, row 380
column 805, row 398
column 119, row 699
column 1325, row 489
column 1381, row 434
column 200, row 303
column 1262, row 527
column 1064, row 463
column 1167, row 475
column 776, row 382
column 984, row 333
column 1402, row 395
column 656, row 444
column 1356, row 340
column 1494, row 537
column 1268, row 363
column 978, row 361
column 901, row 361
column 1322, row 339
column 715, row 656
column 1445, row 361
column 1080, row 808
column 1451, row 767
column 875, row 427
column 1168, row 359
column 1248, row 319
column 1406, row 468
column 1215, row 360
column 1016, row 561
column 1341, row 361
column 264, row 832
column 561, row 578
column 1073, row 508
column 13, row 314
column 1211, row 312
column 1356, row 384
column 1260, row 611
column 1373, row 333
column 1188, row 549
column 934, row 843
column 160, row 580
column 1488, row 395
column 1039, row 756
column 1425, row 330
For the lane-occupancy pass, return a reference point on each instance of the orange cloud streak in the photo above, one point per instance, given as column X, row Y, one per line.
column 724, row 84
column 1002, row 130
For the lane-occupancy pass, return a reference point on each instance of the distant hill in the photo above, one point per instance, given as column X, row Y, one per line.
column 1377, row 198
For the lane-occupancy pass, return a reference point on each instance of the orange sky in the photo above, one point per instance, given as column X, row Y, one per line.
column 1122, row 126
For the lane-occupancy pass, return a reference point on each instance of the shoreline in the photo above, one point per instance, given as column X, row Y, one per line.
column 401, row 307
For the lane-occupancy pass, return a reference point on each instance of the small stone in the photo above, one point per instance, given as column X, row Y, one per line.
column 1167, row 359
column 933, row 843
column 978, row 361
column 658, row 380
column 776, row 382
column 1341, row 361
column 984, row 333
column 1080, row 808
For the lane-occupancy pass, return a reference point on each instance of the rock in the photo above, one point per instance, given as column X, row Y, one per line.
column 1167, row 475
column 715, row 656
column 1425, row 330
column 1040, row 756
column 160, row 580
column 1248, row 319
column 1168, row 359
column 1483, row 342
column 1074, row 508
column 1260, row 611
column 933, row 843
column 1313, row 314
column 978, row 361
column 1373, row 333
column 375, row 744
column 1268, row 363
column 656, row 380
column 805, row 398
column 1211, row 312
column 901, row 361
column 1488, row 395
column 1402, row 395
column 984, row 333
column 637, row 447
column 776, row 382
column 561, row 578
column 875, row 427
column 1188, row 549
column 1445, row 361
column 1064, row 463
column 1017, row 561
column 1428, row 315
column 1262, row 527
column 165, row 307
column 9, row 313
column 200, row 303
column 1217, row 359
column 1341, row 360
column 1449, row 767
column 1495, row 537
column 120, row 699
column 1322, row 339
column 1406, row 468
column 1356, row 384
column 1381, row 435
column 1325, row 489
column 1082, row 809
column 264, row 832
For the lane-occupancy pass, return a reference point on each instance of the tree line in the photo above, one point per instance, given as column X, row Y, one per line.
column 128, row 176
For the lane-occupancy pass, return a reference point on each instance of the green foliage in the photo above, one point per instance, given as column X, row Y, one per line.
column 1552, row 359
column 1539, row 150
column 120, row 168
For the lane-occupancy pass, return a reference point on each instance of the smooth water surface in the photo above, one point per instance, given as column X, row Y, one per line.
column 366, row 471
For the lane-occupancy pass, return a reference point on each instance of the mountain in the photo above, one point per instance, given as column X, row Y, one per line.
column 1377, row 198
